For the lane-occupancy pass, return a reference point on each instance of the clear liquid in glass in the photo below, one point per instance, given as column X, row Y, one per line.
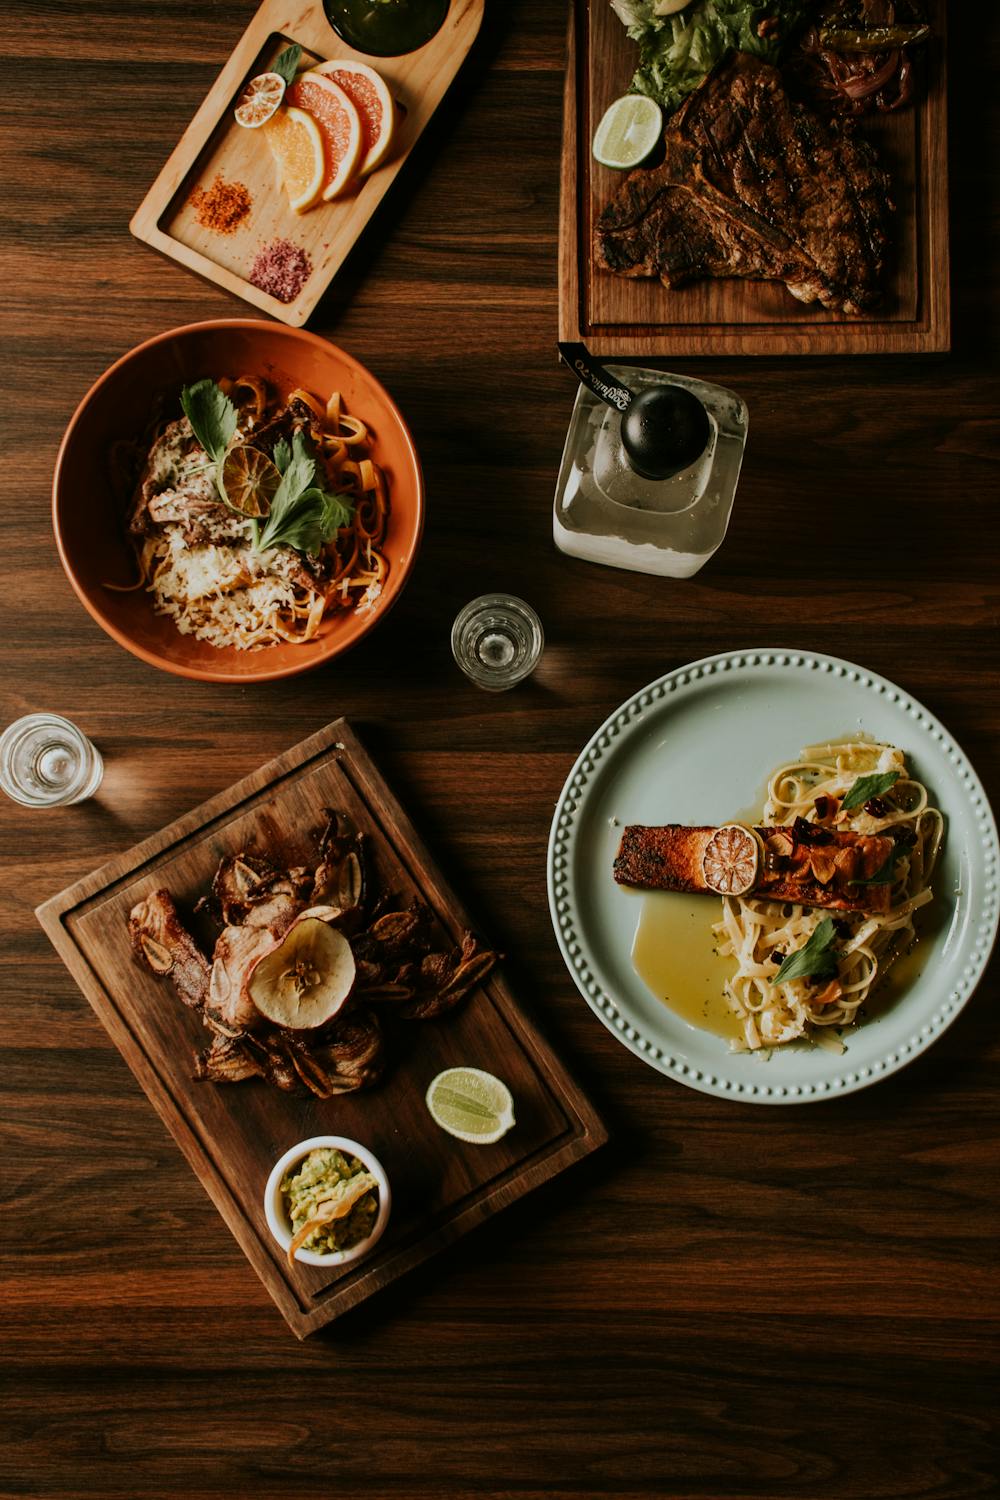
column 497, row 640
column 606, row 513
column 45, row 761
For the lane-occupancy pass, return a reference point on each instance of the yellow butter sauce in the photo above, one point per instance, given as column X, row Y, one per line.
column 674, row 954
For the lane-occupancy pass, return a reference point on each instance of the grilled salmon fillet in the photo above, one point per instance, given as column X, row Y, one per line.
column 803, row 863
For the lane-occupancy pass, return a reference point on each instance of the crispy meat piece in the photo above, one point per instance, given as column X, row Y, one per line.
column 162, row 943
column 350, row 1057
column 753, row 184
column 228, row 1060
column 810, row 874
column 395, row 947
column 228, row 1004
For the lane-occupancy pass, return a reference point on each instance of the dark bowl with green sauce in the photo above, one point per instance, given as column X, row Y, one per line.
column 386, row 28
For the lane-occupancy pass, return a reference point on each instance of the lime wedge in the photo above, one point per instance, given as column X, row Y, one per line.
column 628, row 131
column 470, row 1104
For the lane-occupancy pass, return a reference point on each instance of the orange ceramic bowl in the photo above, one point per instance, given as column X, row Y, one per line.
column 87, row 514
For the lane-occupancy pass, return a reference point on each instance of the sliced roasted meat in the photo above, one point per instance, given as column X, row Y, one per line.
column 753, row 184
column 350, row 1057
column 228, row 1060
column 397, row 953
column 163, row 944
column 821, row 868
column 237, row 950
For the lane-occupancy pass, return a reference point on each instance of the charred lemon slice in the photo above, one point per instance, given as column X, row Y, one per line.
column 731, row 861
column 307, row 979
column 250, row 481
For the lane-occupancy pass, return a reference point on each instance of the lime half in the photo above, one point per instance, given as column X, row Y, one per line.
column 470, row 1104
column 628, row 131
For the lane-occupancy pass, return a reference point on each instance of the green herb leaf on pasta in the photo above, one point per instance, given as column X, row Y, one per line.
column 868, row 786
column 816, row 959
column 212, row 416
column 303, row 515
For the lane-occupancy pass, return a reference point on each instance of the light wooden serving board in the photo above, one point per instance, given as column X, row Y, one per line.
column 232, row 1134
column 214, row 145
column 616, row 315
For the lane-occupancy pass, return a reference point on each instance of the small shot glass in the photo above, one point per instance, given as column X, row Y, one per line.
column 45, row 761
column 497, row 641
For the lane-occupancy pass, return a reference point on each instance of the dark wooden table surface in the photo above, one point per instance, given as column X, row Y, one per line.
column 727, row 1302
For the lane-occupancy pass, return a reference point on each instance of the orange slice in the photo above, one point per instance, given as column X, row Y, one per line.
column 339, row 124
column 731, row 860
column 297, row 147
column 259, row 100
column 367, row 91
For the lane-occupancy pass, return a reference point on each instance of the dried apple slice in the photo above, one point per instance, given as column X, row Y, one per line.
column 307, row 979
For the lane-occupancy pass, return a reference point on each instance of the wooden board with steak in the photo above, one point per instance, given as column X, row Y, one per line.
column 754, row 185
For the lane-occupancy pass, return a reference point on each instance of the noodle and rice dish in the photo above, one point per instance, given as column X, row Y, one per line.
column 259, row 519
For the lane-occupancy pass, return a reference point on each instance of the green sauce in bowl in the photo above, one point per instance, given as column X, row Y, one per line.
column 386, row 28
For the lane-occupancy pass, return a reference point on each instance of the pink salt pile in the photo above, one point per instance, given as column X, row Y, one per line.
column 281, row 269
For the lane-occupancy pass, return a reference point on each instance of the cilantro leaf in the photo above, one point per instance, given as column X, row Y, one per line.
column 303, row 515
column 286, row 63
column 868, row 786
column 816, row 959
column 212, row 416
column 308, row 521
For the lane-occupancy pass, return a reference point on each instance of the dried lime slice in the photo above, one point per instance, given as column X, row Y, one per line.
column 471, row 1104
column 260, row 100
column 628, row 131
column 249, row 481
column 731, row 861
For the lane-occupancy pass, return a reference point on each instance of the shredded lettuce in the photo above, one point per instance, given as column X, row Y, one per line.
column 676, row 51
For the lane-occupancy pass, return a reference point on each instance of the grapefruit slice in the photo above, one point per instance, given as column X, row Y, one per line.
column 297, row 147
column 339, row 125
column 367, row 91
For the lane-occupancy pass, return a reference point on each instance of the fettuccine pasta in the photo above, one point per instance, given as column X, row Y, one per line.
column 757, row 935
column 196, row 553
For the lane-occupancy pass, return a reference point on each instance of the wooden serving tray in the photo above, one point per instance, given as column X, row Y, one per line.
column 617, row 316
column 214, row 144
column 232, row 1134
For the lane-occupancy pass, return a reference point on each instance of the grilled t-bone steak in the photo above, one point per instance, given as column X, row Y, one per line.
column 753, row 184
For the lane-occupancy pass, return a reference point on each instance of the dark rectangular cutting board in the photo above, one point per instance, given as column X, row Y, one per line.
column 233, row 1133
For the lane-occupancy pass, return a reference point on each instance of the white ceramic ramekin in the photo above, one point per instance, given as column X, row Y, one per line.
column 276, row 1213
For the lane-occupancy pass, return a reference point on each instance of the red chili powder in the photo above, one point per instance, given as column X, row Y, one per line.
column 222, row 207
column 281, row 269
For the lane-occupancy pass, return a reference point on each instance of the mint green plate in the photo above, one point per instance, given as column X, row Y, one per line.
column 693, row 747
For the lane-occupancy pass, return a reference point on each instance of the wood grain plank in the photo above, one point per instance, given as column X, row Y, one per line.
column 711, row 1310
column 232, row 1135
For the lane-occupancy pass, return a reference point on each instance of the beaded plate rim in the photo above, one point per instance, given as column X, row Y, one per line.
column 573, row 942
